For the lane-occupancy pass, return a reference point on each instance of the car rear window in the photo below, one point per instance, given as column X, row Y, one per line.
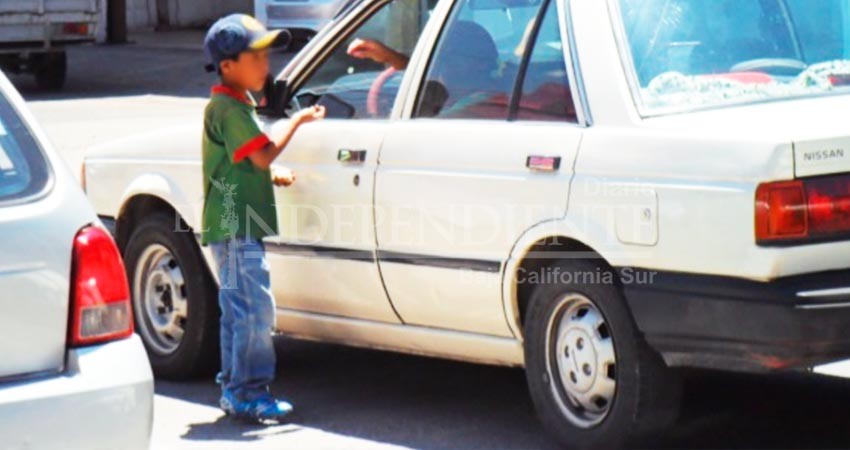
column 23, row 169
column 689, row 54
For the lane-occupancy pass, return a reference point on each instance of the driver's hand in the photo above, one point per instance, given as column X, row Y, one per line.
column 370, row 49
column 308, row 115
column 281, row 176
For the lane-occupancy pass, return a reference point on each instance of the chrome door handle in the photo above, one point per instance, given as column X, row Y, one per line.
column 351, row 156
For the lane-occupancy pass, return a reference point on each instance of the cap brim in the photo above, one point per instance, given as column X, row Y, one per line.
column 271, row 39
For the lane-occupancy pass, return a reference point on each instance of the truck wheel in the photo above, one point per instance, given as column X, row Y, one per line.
column 50, row 70
column 594, row 381
column 175, row 301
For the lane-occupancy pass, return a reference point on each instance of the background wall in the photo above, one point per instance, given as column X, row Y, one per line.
column 181, row 13
column 165, row 14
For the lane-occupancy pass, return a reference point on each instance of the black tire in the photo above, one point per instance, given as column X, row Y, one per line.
column 50, row 70
column 647, row 394
column 197, row 352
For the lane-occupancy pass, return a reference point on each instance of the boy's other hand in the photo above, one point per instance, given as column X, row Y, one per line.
column 282, row 176
column 308, row 115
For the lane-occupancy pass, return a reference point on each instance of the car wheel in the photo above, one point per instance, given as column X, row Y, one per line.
column 174, row 299
column 593, row 380
column 50, row 70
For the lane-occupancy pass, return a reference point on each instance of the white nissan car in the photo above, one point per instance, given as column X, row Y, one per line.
column 599, row 191
column 72, row 373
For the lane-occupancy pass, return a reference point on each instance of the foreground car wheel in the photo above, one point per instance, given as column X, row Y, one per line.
column 594, row 382
column 174, row 300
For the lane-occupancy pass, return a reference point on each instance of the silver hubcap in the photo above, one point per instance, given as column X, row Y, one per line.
column 161, row 306
column 581, row 361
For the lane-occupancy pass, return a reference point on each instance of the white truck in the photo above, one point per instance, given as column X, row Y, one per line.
column 34, row 33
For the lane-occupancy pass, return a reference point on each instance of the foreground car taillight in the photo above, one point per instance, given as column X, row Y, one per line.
column 803, row 210
column 100, row 297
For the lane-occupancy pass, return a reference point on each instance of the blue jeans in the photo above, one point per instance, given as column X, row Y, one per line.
column 247, row 318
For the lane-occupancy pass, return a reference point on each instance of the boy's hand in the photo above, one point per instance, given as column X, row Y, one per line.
column 308, row 115
column 282, row 176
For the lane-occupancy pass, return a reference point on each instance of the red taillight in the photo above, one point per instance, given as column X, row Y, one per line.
column 100, row 297
column 781, row 211
column 81, row 29
column 810, row 209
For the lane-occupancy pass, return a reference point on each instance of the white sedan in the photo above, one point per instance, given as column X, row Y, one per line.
column 600, row 191
column 72, row 373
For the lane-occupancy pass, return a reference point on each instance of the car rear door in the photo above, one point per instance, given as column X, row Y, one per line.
column 487, row 155
column 41, row 211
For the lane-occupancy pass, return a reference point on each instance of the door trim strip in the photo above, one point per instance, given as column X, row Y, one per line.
column 384, row 256
column 316, row 251
column 477, row 265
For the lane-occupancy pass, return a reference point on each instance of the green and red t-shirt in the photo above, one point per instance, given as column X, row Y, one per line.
column 238, row 196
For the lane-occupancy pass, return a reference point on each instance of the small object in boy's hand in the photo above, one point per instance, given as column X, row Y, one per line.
column 282, row 176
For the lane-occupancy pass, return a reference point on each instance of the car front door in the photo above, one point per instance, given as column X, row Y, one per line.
column 323, row 261
column 487, row 154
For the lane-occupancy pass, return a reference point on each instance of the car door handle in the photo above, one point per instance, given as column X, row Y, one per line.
column 543, row 163
column 351, row 156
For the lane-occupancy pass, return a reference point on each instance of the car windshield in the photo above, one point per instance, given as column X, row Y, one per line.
column 689, row 54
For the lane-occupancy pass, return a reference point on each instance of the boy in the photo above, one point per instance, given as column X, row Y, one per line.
column 239, row 211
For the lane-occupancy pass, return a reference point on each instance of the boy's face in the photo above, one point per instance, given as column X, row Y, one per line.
column 248, row 71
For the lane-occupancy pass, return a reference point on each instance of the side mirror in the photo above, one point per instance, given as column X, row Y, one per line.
column 275, row 98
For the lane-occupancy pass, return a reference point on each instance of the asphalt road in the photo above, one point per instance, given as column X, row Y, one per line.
column 353, row 398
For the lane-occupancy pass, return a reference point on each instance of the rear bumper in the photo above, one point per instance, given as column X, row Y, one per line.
column 104, row 400
column 741, row 325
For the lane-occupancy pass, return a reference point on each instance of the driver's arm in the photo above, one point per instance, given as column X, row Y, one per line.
column 377, row 51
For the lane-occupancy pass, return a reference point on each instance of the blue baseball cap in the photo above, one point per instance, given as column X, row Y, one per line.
column 237, row 33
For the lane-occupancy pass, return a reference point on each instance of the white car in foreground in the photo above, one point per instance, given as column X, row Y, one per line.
column 72, row 373
column 597, row 190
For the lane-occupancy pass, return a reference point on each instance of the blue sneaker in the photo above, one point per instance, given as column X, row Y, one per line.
column 263, row 408
column 227, row 403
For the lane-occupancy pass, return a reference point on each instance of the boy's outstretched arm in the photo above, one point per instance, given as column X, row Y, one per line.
column 264, row 157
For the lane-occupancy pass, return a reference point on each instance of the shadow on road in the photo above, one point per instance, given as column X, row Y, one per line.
column 227, row 429
column 390, row 398
column 426, row 403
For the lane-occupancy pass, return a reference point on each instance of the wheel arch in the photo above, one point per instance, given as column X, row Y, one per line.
column 149, row 193
column 536, row 249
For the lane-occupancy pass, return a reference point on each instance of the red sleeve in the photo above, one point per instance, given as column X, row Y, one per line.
column 242, row 134
column 250, row 147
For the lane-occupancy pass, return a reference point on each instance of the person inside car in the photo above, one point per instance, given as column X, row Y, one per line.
column 471, row 65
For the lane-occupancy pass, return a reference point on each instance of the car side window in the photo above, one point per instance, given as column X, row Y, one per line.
column 24, row 171
column 361, row 85
column 546, row 92
column 473, row 70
